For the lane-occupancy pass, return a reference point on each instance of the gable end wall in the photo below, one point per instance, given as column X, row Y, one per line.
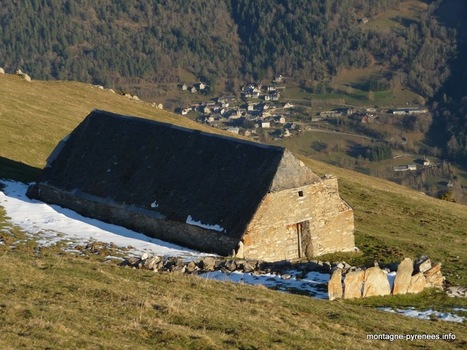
column 271, row 235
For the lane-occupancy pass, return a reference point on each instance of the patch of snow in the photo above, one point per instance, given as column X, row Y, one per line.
column 391, row 277
column 427, row 314
column 50, row 224
column 313, row 284
column 154, row 204
column 190, row 221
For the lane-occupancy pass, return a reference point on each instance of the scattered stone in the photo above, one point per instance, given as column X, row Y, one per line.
column 417, row 283
column 246, row 266
column 150, row 263
column 27, row 77
column 230, row 265
column 456, row 292
column 335, row 285
column 403, row 277
column 136, row 98
column 207, row 264
column 353, row 284
column 144, row 256
column 2, row 71
column 191, row 267
column 376, row 283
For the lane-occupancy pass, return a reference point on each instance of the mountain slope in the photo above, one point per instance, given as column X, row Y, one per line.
column 51, row 299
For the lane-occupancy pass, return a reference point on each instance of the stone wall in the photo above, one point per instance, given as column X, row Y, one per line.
column 272, row 234
column 138, row 219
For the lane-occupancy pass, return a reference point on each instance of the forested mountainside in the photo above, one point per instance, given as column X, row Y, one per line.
column 450, row 104
column 115, row 42
column 134, row 45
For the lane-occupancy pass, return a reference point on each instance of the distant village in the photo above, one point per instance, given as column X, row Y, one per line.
column 261, row 107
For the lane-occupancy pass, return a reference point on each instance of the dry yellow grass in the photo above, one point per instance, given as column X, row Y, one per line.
column 56, row 301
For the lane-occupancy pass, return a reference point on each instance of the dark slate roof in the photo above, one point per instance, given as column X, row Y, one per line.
column 217, row 180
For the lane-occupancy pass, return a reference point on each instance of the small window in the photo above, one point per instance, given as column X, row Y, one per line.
column 300, row 193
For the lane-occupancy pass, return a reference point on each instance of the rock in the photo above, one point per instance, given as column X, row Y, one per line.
column 240, row 254
column 145, row 256
column 19, row 72
column 456, row 292
column 230, row 265
column 150, row 263
column 403, row 277
column 246, row 266
column 27, row 77
column 335, row 290
column 2, row 71
column 434, row 277
column 207, row 264
column 353, row 284
column 422, row 264
column 376, row 283
column 417, row 283
column 190, row 267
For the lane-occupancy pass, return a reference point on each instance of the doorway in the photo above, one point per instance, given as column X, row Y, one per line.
column 299, row 241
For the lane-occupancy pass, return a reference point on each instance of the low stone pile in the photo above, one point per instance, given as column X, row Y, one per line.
column 411, row 277
column 210, row 263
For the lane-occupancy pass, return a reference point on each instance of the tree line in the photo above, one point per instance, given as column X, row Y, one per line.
column 113, row 42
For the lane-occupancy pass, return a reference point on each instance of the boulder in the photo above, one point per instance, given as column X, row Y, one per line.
column 27, row 77
column 376, row 283
column 190, row 267
column 422, row 264
column 353, row 284
column 403, row 276
column 150, row 263
column 2, row 71
column 230, row 265
column 434, row 277
column 417, row 283
column 335, row 285
column 208, row 263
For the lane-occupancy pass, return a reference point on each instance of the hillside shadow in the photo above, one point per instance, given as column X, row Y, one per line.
column 11, row 169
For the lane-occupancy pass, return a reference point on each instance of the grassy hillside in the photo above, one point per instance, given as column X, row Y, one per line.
column 35, row 115
column 51, row 299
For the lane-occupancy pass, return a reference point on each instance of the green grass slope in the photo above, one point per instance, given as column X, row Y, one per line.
column 49, row 299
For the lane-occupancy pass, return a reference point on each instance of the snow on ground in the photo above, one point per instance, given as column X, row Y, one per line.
column 50, row 224
column 427, row 314
column 313, row 284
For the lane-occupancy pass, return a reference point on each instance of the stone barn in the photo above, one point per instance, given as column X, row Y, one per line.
column 200, row 190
